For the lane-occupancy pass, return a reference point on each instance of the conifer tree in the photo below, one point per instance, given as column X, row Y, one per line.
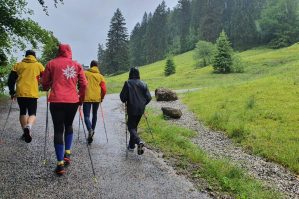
column 135, row 46
column 169, row 67
column 117, row 52
column 101, row 59
column 156, row 34
column 184, row 24
column 223, row 61
column 279, row 23
column 240, row 16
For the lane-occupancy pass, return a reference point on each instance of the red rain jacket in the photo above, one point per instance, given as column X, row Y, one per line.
column 62, row 75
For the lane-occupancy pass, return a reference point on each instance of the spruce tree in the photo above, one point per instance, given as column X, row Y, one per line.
column 279, row 23
column 117, row 52
column 156, row 34
column 240, row 16
column 223, row 62
column 184, row 24
column 101, row 59
column 169, row 67
column 211, row 21
column 142, row 40
column 173, row 35
column 134, row 46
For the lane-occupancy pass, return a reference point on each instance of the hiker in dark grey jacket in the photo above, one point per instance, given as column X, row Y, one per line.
column 136, row 96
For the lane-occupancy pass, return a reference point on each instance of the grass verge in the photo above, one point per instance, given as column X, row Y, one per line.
column 223, row 177
column 261, row 115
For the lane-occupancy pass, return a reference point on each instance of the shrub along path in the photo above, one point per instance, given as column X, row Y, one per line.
column 218, row 145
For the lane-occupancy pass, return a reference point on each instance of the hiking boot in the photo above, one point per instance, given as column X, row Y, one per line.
column 140, row 149
column 90, row 136
column 67, row 159
column 23, row 137
column 130, row 148
column 27, row 136
column 60, row 169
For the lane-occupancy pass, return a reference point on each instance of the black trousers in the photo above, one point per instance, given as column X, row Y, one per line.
column 63, row 115
column 133, row 121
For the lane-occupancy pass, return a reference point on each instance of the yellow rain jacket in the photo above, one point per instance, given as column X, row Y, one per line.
column 29, row 72
column 94, row 90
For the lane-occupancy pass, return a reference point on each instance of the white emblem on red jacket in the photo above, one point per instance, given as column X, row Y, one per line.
column 69, row 72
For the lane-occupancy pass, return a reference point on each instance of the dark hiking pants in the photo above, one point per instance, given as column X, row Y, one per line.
column 133, row 121
column 87, row 106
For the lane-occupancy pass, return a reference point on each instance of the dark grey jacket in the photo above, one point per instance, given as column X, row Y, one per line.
column 136, row 94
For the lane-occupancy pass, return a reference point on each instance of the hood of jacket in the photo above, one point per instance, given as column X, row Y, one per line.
column 134, row 73
column 29, row 59
column 65, row 51
column 94, row 69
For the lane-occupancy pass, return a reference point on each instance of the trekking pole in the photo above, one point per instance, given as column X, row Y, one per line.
column 46, row 130
column 8, row 114
column 81, row 117
column 126, row 121
column 149, row 128
column 104, row 121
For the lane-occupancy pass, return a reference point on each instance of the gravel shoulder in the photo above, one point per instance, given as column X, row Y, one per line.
column 24, row 174
column 218, row 145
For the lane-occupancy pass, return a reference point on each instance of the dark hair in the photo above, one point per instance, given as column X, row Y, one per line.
column 30, row 52
column 134, row 73
column 93, row 63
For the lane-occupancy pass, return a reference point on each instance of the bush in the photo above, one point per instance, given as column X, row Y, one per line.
column 223, row 61
column 5, row 68
column 204, row 53
column 281, row 42
column 170, row 67
column 238, row 64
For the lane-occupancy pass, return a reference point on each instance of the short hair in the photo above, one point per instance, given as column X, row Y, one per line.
column 30, row 52
column 93, row 63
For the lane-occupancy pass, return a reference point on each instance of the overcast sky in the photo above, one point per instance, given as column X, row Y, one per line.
column 85, row 23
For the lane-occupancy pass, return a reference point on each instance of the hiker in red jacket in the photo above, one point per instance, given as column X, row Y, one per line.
column 62, row 75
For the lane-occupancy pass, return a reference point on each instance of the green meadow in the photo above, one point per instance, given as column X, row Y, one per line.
column 258, row 109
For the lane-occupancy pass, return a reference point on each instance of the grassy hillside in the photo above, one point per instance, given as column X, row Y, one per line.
column 258, row 108
column 260, row 62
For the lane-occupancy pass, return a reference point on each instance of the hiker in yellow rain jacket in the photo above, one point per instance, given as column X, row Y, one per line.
column 26, row 76
column 95, row 93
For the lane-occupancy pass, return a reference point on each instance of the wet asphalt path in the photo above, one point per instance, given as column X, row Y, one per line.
column 23, row 173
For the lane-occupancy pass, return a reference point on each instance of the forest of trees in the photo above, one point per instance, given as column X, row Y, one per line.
column 248, row 23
